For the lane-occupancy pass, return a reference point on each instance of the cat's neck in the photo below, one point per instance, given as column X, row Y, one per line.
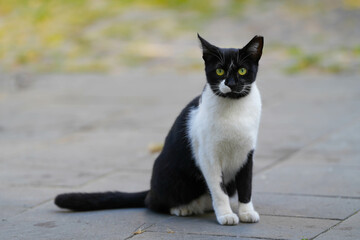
column 223, row 106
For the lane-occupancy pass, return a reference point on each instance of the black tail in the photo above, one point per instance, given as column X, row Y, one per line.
column 98, row 201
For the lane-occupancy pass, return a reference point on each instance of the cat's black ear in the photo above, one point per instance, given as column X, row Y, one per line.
column 255, row 47
column 209, row 50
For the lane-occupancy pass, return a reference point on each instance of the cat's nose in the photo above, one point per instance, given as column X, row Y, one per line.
column 230, row 83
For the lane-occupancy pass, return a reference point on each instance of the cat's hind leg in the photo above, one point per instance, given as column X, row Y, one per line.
column 197, row 206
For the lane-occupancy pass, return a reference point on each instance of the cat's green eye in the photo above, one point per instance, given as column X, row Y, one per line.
column 220, row 71
column 242, row 71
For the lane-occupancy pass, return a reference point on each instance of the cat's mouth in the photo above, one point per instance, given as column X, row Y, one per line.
column 226, row 91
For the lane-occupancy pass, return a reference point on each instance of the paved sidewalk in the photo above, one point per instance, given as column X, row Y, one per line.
column 91, row 132
column 61, row 133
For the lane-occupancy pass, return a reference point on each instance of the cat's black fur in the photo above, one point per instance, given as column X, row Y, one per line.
column 176, row 179
column 215, row 57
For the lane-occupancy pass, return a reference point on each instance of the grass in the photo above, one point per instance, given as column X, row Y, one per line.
column 97, row 35
column 333, row 62
column 51, row 34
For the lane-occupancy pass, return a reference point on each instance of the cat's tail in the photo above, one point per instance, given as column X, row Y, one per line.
column 99, row 201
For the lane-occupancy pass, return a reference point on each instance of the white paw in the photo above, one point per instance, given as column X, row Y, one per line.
column 249, row 217
column 228, row 219
column 181, row 211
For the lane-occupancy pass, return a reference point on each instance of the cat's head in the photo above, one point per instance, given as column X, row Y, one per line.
column 230, row 72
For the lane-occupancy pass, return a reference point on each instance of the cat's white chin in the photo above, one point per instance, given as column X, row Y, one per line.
column 223, row 88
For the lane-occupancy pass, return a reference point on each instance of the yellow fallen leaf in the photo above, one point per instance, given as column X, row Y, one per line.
column 139, row 231
column 155, row 147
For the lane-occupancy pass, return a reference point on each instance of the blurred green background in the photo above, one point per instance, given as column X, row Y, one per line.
column 109, row 36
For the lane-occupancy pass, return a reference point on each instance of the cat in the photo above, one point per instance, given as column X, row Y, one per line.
column 208, row 153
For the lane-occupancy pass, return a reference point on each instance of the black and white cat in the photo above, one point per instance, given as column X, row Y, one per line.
column 208, row 153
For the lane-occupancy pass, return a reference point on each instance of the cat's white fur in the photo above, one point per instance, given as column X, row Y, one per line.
column 247, row 213
column 197, row 206
column 223, row 88
column 223, row 131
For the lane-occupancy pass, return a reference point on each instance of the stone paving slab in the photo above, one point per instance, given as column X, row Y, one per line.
column 89, row 132
column 123, row 180
column 175, row 236
column 270, row 227
column 347, row 230
column 15, row 200
column 109, row 109
column 59, row 224
column 292, row 119
column 305, row 206
column 307, row 173
column 81, row 156
column 103, row 146
column 56, row 106
column 119, row 224
column 339, row 148
column 25, row 195
column 339, row 181
column 266, row 203
column 46, row 176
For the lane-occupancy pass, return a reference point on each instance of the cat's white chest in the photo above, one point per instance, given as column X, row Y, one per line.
column 225, row 130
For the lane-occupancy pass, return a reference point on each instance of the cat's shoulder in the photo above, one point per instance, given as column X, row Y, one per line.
column 183, row 117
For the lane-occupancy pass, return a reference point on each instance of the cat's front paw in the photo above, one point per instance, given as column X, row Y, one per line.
column 249, row 216
column 247, row 213
column 228, row 219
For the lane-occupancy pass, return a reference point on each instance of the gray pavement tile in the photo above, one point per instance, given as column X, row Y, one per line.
column 58, row 105
column 47, row 222
column 133, row 84
column 29, row 174
column 295, row 115
column 304, row 206
column 89, row 132
column 100, row 148
column 75, row 159
column 327, row 167
column 123, row 180
column 15, row 200
column 172, row 235
column 268, row 227
column 263, row 162
column 346, row 230
column 44, row 119
column 292, row 125
column 314, row 180
column 340, row 148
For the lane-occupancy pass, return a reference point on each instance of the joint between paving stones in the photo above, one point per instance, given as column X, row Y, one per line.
column 316, row 140
column 333, row 226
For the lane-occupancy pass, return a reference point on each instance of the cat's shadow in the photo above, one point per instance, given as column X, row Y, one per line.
column 208, row 217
